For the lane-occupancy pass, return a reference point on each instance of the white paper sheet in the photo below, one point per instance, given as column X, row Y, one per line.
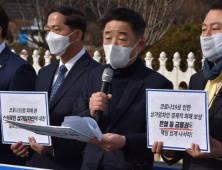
column 29, row 107
column 178, row 118
column 73, row 127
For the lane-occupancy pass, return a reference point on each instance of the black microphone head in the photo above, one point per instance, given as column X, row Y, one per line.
column 107, row 75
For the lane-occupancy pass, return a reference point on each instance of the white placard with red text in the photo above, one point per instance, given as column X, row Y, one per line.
column 178, row 118
column 26, row 107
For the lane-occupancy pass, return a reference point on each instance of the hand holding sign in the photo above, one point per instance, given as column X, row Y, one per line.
column 39, row 148
column 215, row 150
column 19, row 149
column 158, row 148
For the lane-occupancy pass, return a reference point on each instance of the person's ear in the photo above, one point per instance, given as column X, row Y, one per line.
column 141, row 44
column 77, row 36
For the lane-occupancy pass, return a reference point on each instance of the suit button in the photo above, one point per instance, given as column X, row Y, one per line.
column 97, row 159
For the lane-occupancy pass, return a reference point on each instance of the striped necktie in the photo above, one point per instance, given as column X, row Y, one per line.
column 59, row 80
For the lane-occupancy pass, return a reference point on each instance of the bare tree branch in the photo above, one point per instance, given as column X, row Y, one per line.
column 158, row 26
column 100, row 8
column 158, row 14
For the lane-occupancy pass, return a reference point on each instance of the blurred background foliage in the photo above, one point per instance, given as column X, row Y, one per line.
column 182, row 39
column 183, row 35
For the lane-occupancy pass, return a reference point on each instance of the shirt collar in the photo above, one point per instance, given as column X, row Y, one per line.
column 2, row 47
column 73, row 60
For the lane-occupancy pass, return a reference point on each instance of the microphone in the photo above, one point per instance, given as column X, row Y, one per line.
column 106, row 79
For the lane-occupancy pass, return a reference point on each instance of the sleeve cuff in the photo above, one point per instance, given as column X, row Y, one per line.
column 126, row 148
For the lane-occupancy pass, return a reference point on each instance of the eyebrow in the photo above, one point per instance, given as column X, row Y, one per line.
column 52, row 26
column 211, row 24
column 107, row 32
column 124, row 33
column 120, row 32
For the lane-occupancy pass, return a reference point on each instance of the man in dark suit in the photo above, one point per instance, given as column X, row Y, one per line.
column 209, row 79
column 123, row 123
column 15, row 75
column 63, row 80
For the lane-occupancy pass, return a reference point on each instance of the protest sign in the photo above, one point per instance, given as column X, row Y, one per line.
column 178, row 118
column 26, row 107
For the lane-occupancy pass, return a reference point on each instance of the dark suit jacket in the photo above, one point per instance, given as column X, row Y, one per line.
column 197, row 82
column 15, row 75
column 129, row 120
column 61, row 106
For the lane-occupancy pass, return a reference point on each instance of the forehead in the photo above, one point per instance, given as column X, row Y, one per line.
column 214, row 16
column 115, row 26
column 55, row 18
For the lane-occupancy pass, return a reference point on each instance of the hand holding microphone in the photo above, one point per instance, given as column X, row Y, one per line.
column 99, row 100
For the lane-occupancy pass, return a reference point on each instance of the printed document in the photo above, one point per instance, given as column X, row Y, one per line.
column 73, row 127
column 25, row 107
column 178, row 118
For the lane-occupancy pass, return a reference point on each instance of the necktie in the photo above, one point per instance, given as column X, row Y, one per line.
column 59, row 80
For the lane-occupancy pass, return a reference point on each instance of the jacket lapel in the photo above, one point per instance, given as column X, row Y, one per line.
column 4, row 56
column 130, row 93
column 197, row 82
column 216, row 105
column 201, row 82
column 50, row 75
column 76, row 71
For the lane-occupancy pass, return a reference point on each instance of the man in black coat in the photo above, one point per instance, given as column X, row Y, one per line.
column 123, row 122
column 15, row 75
column 209, row 79
column 63, row 80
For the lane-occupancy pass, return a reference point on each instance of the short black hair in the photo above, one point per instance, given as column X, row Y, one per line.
column 4, row 21
column 183, row 85
column 127, row 15
column 75, row 18
column 216, row 5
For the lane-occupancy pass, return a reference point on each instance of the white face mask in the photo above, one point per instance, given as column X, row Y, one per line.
column 58, row 43
column 212, row 47
column 118, row 56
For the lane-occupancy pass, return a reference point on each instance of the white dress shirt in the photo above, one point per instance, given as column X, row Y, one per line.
column 2, row 47
column 69, row 64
